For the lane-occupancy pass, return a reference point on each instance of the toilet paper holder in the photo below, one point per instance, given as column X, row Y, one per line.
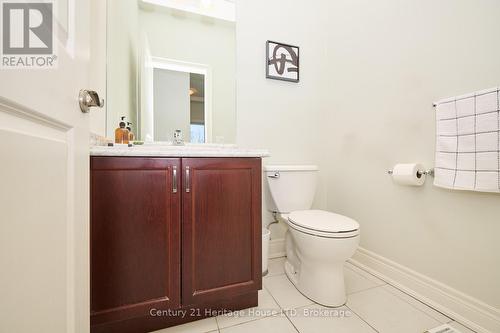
column 420, row 173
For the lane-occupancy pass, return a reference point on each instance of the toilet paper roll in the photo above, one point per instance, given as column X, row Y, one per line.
column 407, row 174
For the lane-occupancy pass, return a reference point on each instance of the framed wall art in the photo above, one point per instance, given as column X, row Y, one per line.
column 282, row 61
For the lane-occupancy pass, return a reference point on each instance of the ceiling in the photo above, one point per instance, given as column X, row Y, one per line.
column 221, row 9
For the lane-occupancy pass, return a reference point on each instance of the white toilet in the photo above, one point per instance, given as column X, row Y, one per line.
column 318, row 243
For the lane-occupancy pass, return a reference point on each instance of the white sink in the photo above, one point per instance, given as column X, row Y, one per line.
column 187, row 145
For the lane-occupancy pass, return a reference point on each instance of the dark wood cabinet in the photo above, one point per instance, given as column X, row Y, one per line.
column 135, row 237
column 172, row 234
column 221, row 228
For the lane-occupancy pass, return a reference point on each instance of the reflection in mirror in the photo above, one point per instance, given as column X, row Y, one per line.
column 178, row 104
column 197, row 108
column 171, row 66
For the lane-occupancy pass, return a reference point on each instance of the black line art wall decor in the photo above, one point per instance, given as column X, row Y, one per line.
column 282, row 61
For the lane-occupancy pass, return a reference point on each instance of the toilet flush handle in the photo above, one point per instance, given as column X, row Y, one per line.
column 276, row 175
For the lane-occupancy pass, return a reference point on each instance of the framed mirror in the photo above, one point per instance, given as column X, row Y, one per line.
column 171, row 66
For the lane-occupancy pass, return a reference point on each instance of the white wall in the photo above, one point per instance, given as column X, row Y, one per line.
column 369, row 74
column 171, row 104
column 281, row 116
column 387, row 63
column 192, row 38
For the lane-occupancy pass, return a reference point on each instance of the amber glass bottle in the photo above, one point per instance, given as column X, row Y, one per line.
column 130, row 133
column 122, row 133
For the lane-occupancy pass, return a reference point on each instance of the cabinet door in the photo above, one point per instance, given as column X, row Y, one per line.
column 221, row 228
column 135, row 237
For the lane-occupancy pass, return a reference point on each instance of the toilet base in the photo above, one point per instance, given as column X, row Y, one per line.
column 324, row 285
column 315, row 265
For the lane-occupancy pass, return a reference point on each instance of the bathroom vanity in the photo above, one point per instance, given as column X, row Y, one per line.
column 175, row 230
column 175, row 235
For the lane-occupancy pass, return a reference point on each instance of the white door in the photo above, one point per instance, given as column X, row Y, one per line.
column 44, row 185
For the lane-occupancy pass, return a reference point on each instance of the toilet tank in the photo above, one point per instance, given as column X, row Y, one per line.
column 292, row 187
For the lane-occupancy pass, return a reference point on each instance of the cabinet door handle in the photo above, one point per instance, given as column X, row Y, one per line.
column 187, row 180
column 174, row 179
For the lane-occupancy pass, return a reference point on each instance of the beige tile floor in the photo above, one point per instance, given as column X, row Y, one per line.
column 372, row 306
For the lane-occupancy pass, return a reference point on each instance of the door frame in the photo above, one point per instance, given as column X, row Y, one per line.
column 186, row 67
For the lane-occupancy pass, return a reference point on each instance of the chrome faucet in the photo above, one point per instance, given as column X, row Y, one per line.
column 178, row 140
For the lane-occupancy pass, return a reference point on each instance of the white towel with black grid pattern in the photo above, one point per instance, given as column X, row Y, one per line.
column 468, row 142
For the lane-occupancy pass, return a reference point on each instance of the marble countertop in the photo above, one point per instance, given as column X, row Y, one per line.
column 189, row 150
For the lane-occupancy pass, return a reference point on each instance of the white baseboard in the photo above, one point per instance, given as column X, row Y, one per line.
column 463, row 308
column 277, row 248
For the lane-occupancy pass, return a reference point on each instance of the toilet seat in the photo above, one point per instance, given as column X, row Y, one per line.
column 323, row 224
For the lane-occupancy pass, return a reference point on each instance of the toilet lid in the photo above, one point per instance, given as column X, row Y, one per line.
column 320, row 220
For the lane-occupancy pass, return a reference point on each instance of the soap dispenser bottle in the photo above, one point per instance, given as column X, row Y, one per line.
column 121, row 133
column 130, row 133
